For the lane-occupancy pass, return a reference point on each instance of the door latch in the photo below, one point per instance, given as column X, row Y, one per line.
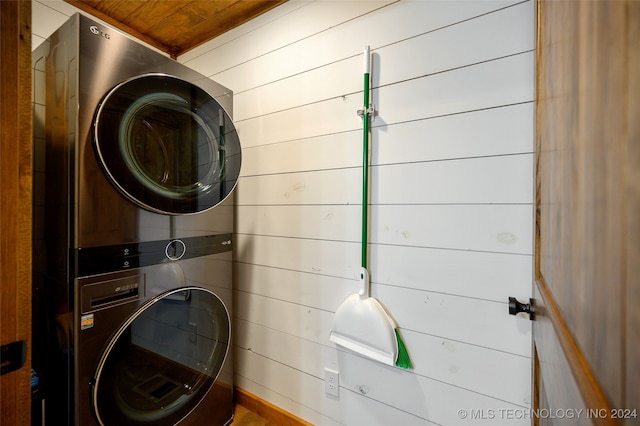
column 13, row 356
column 516, row 307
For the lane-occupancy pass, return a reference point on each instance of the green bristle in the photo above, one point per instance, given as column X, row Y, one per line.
column 403, row 360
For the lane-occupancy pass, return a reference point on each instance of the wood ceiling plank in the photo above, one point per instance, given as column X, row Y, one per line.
column 178, row 25
column 156, row 12
column 84, row 6
column 117, row 9
column 172, row 31
column 208, row 9
column 227, row 19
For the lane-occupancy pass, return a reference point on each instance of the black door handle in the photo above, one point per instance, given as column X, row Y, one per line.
column 516, row 307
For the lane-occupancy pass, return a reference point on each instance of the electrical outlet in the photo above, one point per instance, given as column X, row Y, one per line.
column 332, row 382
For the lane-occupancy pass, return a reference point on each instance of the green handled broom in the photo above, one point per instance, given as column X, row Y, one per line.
column 360, row 322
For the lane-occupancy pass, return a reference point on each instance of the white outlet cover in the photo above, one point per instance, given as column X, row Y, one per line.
column 332, row 382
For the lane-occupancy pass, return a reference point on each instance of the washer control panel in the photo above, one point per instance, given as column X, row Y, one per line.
column 97, row 260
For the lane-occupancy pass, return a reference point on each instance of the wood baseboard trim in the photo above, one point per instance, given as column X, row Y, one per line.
column 267, row 410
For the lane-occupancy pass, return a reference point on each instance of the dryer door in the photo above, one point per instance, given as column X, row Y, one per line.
column 163, row 360
column 167, row 145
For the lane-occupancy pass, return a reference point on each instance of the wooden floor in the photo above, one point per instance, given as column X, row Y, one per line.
column 244, row 417
column 250, row 410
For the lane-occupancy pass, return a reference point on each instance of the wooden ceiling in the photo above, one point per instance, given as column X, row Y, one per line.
column 175, row 26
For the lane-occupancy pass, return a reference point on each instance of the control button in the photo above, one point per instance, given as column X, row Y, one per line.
column 175, row 250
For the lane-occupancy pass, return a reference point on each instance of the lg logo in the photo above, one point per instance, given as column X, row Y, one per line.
column 97, row 31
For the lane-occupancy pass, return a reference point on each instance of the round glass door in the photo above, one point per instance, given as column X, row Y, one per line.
column 163, row 360
column 167, row 145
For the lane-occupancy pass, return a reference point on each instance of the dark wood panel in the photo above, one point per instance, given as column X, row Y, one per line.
column 582, row 131
column 15, row 202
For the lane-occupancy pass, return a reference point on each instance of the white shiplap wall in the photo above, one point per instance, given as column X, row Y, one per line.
column 451, row 201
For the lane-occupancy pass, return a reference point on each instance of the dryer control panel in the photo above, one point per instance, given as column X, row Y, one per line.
column 98, row 260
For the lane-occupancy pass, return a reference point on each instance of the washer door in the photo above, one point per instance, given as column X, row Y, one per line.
column 167, row 145
column 163, row 360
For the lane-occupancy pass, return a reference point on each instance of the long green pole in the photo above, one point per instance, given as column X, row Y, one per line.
column 402, row 358
column 365, row 159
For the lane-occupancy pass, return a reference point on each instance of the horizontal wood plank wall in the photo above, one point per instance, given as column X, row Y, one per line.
column 451, row 202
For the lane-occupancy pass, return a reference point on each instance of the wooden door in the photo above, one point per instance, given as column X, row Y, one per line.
column 15, row 202
column 587, row 291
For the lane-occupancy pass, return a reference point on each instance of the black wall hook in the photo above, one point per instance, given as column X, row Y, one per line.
column 516, row 307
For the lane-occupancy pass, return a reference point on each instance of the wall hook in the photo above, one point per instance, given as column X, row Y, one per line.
column 516, row 307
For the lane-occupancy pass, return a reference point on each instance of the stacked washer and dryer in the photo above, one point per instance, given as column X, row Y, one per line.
column 137, row 158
